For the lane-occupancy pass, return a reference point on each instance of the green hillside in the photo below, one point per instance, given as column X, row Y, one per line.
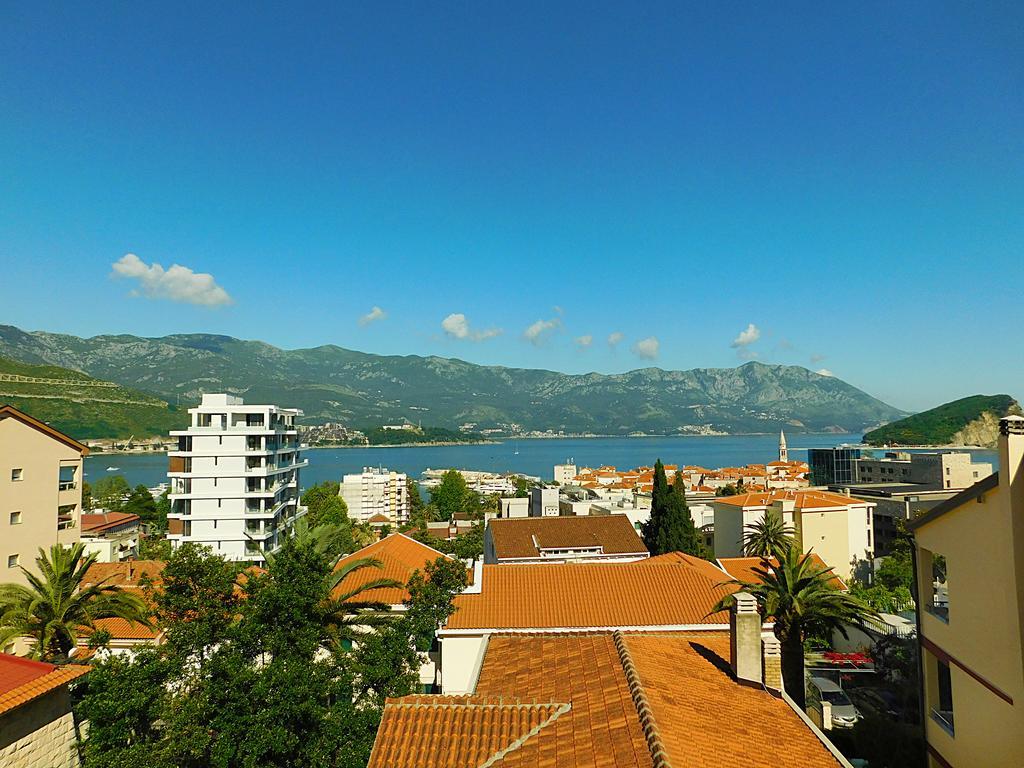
column 81, row 406
column 971, row 421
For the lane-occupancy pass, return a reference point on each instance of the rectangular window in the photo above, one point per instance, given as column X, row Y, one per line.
column 942, row 710
column 13, row 561
column 938, row 604
column 16, row 518
column 16, row 474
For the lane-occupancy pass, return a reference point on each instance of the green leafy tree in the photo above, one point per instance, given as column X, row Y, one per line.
column 324, row 505
column 670, row 527
column 726, row 490
column 154, row 547
column 522, row 488
column 110, row 492
column 86, row 495
column 452, row 495
column 54, row 608
column 431, row 595
column 802, row 600
column 769, row 537
column 141, row 502
column 387, row 664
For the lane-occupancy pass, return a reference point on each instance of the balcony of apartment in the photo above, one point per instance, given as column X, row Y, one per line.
column 67, row 515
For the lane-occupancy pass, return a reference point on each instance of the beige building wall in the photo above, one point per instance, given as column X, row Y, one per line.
column 840, row 537
column 32, row 496
column 40, row 733
column 980, row 639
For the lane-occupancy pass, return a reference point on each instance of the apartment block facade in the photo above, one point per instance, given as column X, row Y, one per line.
column 40, row 491
column 946, row 470
column 969, row 556
column 376, row 491
column 235, row 478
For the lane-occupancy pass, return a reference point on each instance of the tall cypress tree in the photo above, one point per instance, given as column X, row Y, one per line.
column 670, row 527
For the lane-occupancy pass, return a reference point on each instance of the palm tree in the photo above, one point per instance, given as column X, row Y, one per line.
column 54, row 608
column 769, row 537
column 801, row 598
column 349, row 608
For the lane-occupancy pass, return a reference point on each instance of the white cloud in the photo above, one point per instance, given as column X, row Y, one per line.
column 373, row 316
column 584, row 341
column 746, row 354
column 175, row 284
column 816, row 358
column 615, row 338
column 647, row 348
column 457, row 327
column 747, row 337
column 540, row 330
column 824, row 372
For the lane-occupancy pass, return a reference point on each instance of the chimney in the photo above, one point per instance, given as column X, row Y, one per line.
column 772, row 659
column 745, row 638
column 1011, row 451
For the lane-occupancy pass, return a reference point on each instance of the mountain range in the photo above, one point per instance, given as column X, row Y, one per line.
column 332, row 384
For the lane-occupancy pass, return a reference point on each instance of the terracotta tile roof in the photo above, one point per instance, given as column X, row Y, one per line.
column 582, row 697
column 400, row 556
column 121, row 629
column 379, row 518
column 742, row 568
column 803, row 499
column 743, row 726
column 526, row 536
column 125, row 574
column 582, row 595
column 22, row 680
column 105, row 521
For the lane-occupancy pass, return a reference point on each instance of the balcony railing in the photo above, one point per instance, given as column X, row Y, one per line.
column 67, row 485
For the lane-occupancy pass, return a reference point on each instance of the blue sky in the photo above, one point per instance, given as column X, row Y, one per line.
column 847, row 180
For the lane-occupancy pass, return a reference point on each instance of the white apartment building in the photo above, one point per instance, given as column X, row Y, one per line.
column 376, row 491
column 565, row 473
column 235, row 478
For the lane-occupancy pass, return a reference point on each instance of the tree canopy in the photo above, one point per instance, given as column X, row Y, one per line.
column 670, row 527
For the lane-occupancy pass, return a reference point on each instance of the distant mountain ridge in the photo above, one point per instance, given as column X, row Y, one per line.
column 968, row 421
column 363, row 390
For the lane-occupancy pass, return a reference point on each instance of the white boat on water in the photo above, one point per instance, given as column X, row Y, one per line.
column 112, row 469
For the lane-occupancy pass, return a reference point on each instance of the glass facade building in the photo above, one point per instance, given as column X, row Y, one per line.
column 832, row 465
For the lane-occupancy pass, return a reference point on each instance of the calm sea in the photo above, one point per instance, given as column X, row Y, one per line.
column 529, row 457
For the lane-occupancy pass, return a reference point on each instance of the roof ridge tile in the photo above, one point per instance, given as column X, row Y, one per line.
column 659, row 753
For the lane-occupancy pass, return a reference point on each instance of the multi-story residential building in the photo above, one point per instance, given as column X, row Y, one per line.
column 235, row 478
column 836, row 527
column 969, row 556
column 543, row 502
column 111, row 536
column 946, row 469
column 565, row 473
column 376, row 491
column 591, row 539
column 832, row 465
column 40, row 490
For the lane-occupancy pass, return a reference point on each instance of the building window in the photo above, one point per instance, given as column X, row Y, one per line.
column 16, row 518
column 13, row 561
column 942, row 708
column 937, row 590
column 16, row 474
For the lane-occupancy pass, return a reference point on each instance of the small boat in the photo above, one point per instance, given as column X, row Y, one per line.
column 112, row 469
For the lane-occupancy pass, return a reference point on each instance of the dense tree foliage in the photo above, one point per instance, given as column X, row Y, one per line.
column 670, row 527
column 768, row 537
column 110, row 492
column 252, row 673
column 452, row 495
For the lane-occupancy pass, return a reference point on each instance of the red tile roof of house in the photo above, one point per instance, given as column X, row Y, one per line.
column 525, row 537
column 128, row 573
column 808, row 499
column 23, row 680
column 602, row 700
column 105, row 521
column 584, row 595
column 400, row 556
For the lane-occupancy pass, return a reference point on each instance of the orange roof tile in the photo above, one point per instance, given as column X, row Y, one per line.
column 124, row 574
column 23, row 680
column 121, row 629
column 400, row 555
column 525, row 537
column 581, row 595
column 581, row 697
column 105, row 521
column 742, row 568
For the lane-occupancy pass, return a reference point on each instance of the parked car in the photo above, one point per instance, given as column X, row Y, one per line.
column 844, row 713
column 878, row 700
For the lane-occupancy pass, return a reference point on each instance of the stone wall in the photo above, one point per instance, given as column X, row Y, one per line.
column 40, row 734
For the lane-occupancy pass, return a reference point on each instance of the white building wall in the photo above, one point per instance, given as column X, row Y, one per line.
column 461, row 657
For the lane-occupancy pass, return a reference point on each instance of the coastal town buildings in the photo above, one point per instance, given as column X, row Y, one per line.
column 829, row 466
column 543, row 501
column 969, row 559
column 564, row 474
column 376, row 492
column 235, row 478
column 836, row 527
column 941, row 469
column 40, row 491
column 563, row 539
column 37, row 726
column 111, row 536
column 124, row 637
